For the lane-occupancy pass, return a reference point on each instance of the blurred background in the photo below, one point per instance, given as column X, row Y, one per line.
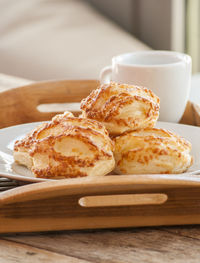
column 74, row 39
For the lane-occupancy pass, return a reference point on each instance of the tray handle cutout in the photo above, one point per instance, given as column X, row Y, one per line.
column 122, row 200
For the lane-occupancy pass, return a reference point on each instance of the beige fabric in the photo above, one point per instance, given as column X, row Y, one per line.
column 58, row 39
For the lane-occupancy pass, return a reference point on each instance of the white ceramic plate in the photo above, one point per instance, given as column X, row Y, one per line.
column 9, row 135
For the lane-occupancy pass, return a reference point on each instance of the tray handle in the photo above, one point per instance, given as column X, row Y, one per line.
column 123, row 200
column 20, row 105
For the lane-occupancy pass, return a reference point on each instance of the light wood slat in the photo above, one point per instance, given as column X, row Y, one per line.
column 192, row 231
column 196, row 110
column 191, row 115
column 127, row 246
column 12, row 252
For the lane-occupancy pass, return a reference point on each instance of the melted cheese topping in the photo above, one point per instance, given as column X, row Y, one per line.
column 151, row 151
column 122, row 107
column 66, row 147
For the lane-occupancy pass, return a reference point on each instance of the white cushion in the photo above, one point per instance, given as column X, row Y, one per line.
column 58, row 39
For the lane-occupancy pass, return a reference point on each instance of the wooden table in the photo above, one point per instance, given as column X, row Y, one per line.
column 155, row 244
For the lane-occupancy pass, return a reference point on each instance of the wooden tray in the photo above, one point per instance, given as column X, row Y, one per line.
column 83, row 203
column 106, row 202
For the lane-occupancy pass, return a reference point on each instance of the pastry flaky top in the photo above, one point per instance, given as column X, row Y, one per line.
column 121, row 107
column 151, row 151
column 67, row 146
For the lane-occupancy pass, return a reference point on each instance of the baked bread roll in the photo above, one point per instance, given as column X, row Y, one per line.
column 66, row 147
column 121, row 107
column 151, row 151
column 22, row 148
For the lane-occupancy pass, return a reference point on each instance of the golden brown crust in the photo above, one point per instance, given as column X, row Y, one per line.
column 67, row 147
column 151, row 150
column 122, row 107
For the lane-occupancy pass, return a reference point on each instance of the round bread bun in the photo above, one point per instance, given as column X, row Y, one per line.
column 121, row 107
column 151, row 151
column 66, row 147
column 22, row 148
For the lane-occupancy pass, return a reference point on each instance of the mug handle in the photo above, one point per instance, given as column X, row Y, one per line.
column 105, row 75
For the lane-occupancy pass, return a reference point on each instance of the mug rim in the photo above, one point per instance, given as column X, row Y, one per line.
column 183, row 58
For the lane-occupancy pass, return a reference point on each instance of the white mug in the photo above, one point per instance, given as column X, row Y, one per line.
column 166, row 73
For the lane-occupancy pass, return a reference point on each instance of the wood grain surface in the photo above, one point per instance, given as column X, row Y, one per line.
column 151, row 245
column 11, row 251
column 144, row 245
column 148, row 200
